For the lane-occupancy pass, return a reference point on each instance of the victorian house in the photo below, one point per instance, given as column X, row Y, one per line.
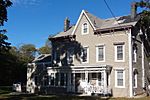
column 98, row 56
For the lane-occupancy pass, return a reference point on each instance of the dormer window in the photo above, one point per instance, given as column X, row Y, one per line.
column 85, row 28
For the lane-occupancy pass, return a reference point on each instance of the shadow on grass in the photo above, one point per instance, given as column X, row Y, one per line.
column 51, row 97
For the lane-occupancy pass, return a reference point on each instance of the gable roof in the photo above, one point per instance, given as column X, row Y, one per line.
column 66, row 33
column 97, row 22
column 101, row 24
column 42, row 58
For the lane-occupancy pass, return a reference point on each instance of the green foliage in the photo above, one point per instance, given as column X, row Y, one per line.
column 145, row 18
column 13, row 64
column 4, row 4
column 44, row 50
column 4, row 46
column 143, row 4
column 28, row 52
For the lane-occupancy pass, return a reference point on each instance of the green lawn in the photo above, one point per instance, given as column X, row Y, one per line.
column 5, row 94
column 62, row 97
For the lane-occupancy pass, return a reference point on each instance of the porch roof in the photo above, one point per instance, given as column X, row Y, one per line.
column 74, row 69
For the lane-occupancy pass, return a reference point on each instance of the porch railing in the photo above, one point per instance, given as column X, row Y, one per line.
column 97, row 90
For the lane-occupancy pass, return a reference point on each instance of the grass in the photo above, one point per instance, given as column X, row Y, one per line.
column 5, row 94
column 60, row 97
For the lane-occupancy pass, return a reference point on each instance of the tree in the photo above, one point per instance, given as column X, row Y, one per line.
column 145, row 17
column 145, row 24
column 4, row 45
column 28, row 52
column 45, row 49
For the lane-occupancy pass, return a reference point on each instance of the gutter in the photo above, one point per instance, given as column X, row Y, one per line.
column 113, row 28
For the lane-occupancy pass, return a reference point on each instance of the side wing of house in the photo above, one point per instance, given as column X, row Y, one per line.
column 140, row 62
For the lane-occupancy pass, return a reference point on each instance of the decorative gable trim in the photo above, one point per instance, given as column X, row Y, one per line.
column 82, row 13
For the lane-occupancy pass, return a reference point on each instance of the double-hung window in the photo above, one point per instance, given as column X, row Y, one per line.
column 100, row 53
column 134, row 55
column 119, row 52
column 85, row 55
column 85, row 29
column 135, row 77
column 135, row 80
column 120, row 78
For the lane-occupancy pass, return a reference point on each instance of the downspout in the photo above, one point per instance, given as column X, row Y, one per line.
column 143, row 69
column 130, row 65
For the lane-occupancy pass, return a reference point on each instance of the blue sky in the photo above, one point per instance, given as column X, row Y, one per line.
column 32, row 21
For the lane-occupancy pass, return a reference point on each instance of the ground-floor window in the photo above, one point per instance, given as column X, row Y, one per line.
column 52, row 79
column 134, row 80
column 119, row 78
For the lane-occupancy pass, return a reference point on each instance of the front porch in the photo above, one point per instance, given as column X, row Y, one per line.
column 86, row 80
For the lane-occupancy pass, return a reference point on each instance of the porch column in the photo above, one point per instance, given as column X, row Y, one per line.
column 105, row 79
column 64, row 79
column 49, row 79
column 69, row 82
column 86, row 80
column 59, row 76
column 86, row 76
column 54, row 78
column 73, row 82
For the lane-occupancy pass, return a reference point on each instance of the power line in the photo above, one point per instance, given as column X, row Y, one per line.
column 110, row 11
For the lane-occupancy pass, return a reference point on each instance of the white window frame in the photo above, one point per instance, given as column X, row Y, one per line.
column 97, row 53
column 135, row 77
column 123, row 48
column 87, row 55
column 135, row 55
column 82, row 29
column 116, row 78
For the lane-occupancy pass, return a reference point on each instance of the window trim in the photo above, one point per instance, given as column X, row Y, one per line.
column 87, row 55
column 116, row 78
column 134, row 77
column 135, row 55
column 115, row 46
column 82, row 29
column 97, row 47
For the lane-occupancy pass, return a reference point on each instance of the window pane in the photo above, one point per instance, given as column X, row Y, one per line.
column 85, row 28
column 84, row 54
column 100, row 53
column 120, row 78
column 120, row 52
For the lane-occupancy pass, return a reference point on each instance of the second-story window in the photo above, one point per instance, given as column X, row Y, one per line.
column 134, row 55
column 119, row 52
column 84, row 55
column 100, row 53
column 85, row 28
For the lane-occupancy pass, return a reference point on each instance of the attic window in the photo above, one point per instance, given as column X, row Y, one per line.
column 85, row 28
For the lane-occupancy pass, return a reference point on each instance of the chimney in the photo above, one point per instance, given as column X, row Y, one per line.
column 133, row 10
column 66, row 24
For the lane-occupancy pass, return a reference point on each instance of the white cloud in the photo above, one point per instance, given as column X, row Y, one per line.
column 26, row 2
